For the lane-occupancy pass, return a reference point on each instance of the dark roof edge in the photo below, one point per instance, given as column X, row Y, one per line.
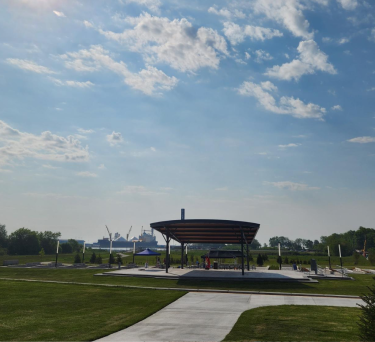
column 239, row 223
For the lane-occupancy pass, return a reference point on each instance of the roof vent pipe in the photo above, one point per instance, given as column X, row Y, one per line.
column 182, row 214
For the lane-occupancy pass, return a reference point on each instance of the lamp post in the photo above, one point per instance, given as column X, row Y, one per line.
column 329, row 258
column 342, row 274
column 83, row 252
column 57, row 252
column 134, row 241
column 110, row 253
column 186, row 256
column 280, row 256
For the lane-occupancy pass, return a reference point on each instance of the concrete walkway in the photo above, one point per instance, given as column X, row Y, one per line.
column 210, row 316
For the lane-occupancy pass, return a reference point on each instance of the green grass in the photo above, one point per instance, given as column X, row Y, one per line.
column 55, row 312
column 296, row 323
column 340, row 287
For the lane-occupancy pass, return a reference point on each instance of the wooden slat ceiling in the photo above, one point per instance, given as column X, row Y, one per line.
column 207, row 231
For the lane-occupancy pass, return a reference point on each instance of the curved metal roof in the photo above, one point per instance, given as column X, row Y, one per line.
column 208, row 231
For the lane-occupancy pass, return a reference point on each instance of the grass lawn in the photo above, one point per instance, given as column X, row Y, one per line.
column 342, row 287
column 296, row 323
column 55, row 312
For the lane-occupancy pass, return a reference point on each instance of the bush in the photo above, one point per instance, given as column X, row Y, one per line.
column 274, row 267
column 286, row 261
column 93, row 258
column 99, row 259
column 119, row 259
column 111, row 259
column 367, row 319
column 260, row 260
column 265, row 257
column 77, row 259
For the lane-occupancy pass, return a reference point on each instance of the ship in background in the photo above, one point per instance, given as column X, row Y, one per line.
column 145, row 240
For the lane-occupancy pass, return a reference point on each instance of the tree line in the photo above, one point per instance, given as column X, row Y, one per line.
column 349, row 241
column 24, row 241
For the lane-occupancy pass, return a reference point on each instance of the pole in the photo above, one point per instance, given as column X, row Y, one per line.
column 182, row 255
column 280, row 255
column 329, row 258
column 57, row 252
column 247, row 256
column 167, row 253
column 342, row 274
column 83, row 254
column 110, row 253
column 242, row 259
column 186, row 256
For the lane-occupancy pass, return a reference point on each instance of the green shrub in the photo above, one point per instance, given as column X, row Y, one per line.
column 99, row 259
column 260, row 260
column 93, row 258
column 274, row 267
column 77, row 259
column 367, row 319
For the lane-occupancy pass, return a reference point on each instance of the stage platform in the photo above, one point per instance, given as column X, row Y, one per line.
column 224, row 275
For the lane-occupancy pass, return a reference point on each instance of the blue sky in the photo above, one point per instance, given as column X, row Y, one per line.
column 122, row 112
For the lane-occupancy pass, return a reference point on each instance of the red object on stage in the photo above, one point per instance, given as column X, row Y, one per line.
column 208, row 263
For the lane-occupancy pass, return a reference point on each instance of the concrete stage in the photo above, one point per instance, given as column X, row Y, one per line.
column 260, row 274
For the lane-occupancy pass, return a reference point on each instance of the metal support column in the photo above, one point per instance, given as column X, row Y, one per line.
column 167, row 253
column 242, row 258
column 182, row 255
column 247, row 256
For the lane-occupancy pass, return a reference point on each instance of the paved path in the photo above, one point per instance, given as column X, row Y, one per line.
column 210, row 316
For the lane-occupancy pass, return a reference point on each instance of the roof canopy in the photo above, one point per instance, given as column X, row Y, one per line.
column 147, row 252
column 208, row 231
column 222, row 254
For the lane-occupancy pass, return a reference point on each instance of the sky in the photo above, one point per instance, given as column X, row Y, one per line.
column 122, row 112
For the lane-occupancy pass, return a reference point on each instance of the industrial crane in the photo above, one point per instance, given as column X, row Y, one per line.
column 127, row 236
column 110, row 246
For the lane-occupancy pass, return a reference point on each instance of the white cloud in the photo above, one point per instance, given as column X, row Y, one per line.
column 287, row 105
column 88, row 24
column 337, row 107
column 85, row 131
column 269, row 86
column 115, row 138
column 149, row 80
column 262, row 56
column 15, row 144
column 247, row 55
column 362, row 140
column 29, row 66
column 152, row 5
column 140, row 190
column 101, row 167
column 48, row 166
column 289, row 145
column 87, row 174
column 311, row 58
column 153, row 149
column 349, row 5
column 74, row 84
column 343, row 41
column 59, row 14
column 237, row 34
column 224, row 12
column 292, row 186
column 371, row 89
column 222, row 189
column 372, row 36
column 286, row 12
column 326, row 39
column 175, row 42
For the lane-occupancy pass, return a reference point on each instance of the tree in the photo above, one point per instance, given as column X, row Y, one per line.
column 93, row 258
column 23, row 242
column 265, row 257
column 77, row 259
column 371, row 256
column 255, row 244
column 367, row 319
column 111, row 259
column 99, row 259
column 309, row 244
column 316, row 242
column 48, row 241
column 42, row 253
column 259, row 260
column 119, row 259
column 3, row 236
column 356, row 257
column 76, row 247
column 66, row 248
